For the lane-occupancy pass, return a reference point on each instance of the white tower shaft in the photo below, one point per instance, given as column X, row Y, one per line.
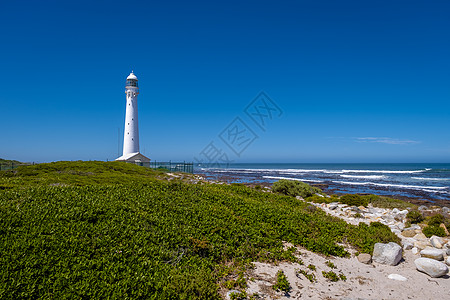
column 131, row 132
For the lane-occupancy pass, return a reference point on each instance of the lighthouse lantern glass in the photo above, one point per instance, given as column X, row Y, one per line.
column 132, row 82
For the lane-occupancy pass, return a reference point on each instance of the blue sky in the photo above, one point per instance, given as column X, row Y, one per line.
column 356, row 81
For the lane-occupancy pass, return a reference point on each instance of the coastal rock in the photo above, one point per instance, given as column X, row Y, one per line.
column 403, row 212
column 422, row 207
column 365, row 258
column 388, row 254
column 333, row 205
column 408, row 232
column 436, row 242
column 415, row 226
column 300, row 198
column 421, row 244
column 448, row 261
column 420, row 236
column 397, row 277
column 401, row 226
column 446, row 248
column 431, row 267
column 445, row 228
column 415, row 250
column 407, row 244
column 446, row 210
column 432, row 253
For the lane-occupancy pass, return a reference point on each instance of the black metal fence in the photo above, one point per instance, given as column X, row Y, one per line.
column 11, row 165
column 186, row 167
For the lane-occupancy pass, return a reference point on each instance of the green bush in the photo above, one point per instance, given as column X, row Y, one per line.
column 433, row 230
column 282, row 283
column 294, row 188
column 331, row 276
column 414, row 217
column 354, row 200
column 114, row 230
column 436, row 220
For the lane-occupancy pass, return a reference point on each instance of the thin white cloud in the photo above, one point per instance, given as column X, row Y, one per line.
column 385, row 140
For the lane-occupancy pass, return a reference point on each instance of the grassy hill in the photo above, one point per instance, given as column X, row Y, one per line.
column 115, row 230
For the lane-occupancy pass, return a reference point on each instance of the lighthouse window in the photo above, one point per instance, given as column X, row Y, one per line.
column 128, row 123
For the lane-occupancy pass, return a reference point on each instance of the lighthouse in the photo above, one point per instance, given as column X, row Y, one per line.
column 131, row 132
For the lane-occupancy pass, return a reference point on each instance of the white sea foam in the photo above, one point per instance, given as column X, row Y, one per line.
column 435, row 179
column 413, row 187
column 386, row 171
column 290, row 178
column 365, row 176
column 326, row 171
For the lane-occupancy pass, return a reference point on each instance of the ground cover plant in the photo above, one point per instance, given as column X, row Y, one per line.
column 294, row 188
column 115, row 230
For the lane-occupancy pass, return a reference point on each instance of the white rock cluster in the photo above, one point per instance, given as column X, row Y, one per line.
column 434, row 252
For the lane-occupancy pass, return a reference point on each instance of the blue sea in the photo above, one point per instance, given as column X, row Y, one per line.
column 419, row 180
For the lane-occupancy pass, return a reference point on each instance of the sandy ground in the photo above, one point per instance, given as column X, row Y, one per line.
column 363, row 281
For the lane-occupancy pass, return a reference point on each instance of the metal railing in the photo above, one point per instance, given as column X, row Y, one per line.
column 186, row 167
column 4, row 166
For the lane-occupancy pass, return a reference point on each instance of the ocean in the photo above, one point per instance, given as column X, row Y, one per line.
column 419, row 180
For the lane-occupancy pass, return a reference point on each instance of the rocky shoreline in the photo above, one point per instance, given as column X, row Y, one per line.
column 414, row 269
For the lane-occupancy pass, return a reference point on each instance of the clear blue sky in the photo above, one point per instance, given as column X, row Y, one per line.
column 357, row 81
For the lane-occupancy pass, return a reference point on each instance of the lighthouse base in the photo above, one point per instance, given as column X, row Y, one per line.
column 136, row 158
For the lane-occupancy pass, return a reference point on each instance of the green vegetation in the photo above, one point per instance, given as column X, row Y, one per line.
column 330, row 275
column 312, row 267
column 354, row 200
column 311, row 277
column 330, row 264
column 117, row 230
column 436, row 220
column 357, row 200
column 433, row 230
column 433, row 227
column 282, row 283
column 386, row 202
column 294, row 188
column 414, row 217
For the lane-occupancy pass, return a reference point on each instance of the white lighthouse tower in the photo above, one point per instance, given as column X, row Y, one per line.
column 131, row 133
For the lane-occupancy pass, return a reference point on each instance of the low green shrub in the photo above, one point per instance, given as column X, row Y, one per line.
column 414, row 217
column 311, row 277
column 312, row 267
column 354, row 200
column 282, row 283
column 294, row 188
column 116, row 230
column 331, row 276
column 433, row 230
column 330, row 264
column 386, row 202
column 436, row 220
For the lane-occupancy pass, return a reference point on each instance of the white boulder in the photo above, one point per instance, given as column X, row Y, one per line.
column 431, row 267
column 408, row 244
column 388, row 254
column 436, row 241
column 432, row 253
column 397, row 277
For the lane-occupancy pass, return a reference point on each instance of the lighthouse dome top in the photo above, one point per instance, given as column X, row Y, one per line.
column 132, row 76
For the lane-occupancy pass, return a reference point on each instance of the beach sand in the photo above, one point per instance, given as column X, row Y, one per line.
column 364, row 281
